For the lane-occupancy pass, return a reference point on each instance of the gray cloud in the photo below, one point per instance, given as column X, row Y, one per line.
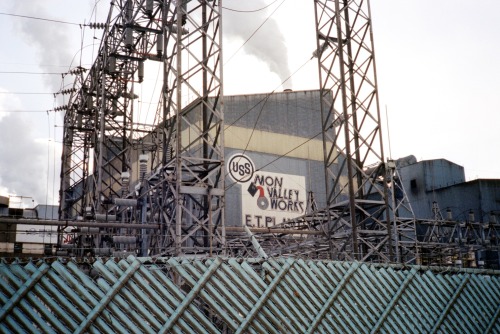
column 23, row 164
column 25, row 168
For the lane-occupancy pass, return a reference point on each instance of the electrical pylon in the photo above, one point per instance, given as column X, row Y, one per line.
column 183, row 193
column 359, row 211
column 180, row 158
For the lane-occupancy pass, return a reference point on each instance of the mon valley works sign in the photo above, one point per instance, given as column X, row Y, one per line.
column 267, row 198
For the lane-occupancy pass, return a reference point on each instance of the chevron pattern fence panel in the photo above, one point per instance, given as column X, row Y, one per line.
column 228, row 295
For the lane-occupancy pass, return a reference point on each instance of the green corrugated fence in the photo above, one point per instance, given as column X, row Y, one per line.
column 229, row 295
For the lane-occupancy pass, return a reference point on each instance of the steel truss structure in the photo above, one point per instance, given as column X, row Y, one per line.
column 362, row 210
column 183, row 193
column 178, row 157
column 466, row 243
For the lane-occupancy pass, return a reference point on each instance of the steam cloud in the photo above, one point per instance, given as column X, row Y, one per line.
column 268, row 44
column 22, row 166
column 50, row 40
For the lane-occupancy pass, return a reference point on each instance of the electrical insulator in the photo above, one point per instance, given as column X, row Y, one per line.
column 143, row 166
column 125, row 183
column 61, row 108
column 140, row 71
column 129, row 37
column 449, row 215
column 67, row 91
column 112, row 64
column 159, row 44
column 78, row 70
column 169, row 154
column 96, row 25
column 149, row 7
column 88, row 212
column 471, row 216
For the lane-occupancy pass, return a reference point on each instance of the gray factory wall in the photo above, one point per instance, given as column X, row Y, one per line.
column 423, row 179
column 280, row 135
column 442, row 173
column 482, row 197
column 443, row 182
column 294, row 113
column 286, row 184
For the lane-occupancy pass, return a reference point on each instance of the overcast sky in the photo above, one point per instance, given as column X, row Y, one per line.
column 438, row 66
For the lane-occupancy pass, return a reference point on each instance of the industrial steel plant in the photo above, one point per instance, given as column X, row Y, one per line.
column 262, row 213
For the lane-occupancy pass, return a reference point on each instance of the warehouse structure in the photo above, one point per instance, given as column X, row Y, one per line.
column 453, row 211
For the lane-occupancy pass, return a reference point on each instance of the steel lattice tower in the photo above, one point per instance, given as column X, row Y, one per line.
column 361, row 222
column 180, row 160
column 183, row 193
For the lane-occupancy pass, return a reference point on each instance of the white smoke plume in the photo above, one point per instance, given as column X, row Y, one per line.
column 27, row 167
column 268, row 43
column 23, row 160
column 50, row 41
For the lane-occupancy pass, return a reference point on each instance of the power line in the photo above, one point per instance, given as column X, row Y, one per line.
column 24, row 72
column 264, row 101
column 17, row 111
column 265, row 98
column 41, row 65
column 281, row 156
column 39, row 18
column 249, row 11
column 26, row 93
column 258, row 28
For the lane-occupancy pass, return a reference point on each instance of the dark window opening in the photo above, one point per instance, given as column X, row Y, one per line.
column 18, row 247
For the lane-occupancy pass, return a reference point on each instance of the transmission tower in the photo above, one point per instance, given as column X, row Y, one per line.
column 180, row 155
column 359, row 209
column 182, row 148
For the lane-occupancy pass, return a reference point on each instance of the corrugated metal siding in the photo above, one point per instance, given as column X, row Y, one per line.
column 295, row 113
column 227, row 295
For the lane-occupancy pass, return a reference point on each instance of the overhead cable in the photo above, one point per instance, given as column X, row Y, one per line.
column 21, row 72
column 26, row 93
column 17, row 111
column 39, row 18
column 249, row 11
column 258, row 28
